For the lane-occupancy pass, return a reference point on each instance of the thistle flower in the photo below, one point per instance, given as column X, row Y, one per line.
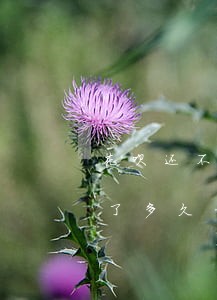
column 100, row 111
column 58, row 277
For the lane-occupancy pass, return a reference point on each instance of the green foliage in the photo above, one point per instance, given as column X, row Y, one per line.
column 95, row 257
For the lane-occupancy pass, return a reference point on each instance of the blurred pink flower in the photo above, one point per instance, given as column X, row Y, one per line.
column 58, row 277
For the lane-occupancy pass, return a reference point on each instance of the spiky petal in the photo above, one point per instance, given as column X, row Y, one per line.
column 100, row 110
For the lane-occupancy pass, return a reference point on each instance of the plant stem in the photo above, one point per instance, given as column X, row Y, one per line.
column 94, row 291
column 92, row 182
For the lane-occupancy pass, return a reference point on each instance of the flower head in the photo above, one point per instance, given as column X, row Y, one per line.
column 100, row 110
column 58, row 277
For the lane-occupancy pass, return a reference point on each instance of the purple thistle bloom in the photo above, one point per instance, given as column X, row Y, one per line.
column 58, row 277
column 100, row 110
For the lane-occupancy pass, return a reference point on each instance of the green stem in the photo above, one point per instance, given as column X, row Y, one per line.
column 94, row 291
column 92, row 183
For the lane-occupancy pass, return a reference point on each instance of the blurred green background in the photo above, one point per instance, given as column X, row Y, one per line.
column 162, row 47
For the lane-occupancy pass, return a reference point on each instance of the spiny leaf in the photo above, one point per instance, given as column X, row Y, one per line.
column 62, row 237
column 67, row 251
column 129, row 171
column 101, row 252
column 82, row 282
column 138, row 137
column 108, row 172
column 81, row 199
column 77, row 234
column 108, row 260
column 102, row 224
column 103, row 281
column 108, row 284
column 100, row 238
column 62, row 215
column 86, row 250
column 164, row 105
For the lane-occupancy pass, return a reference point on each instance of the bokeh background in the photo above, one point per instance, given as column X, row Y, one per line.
column 162, row 47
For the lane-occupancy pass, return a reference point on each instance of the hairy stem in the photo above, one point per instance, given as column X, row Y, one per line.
column 92, row 181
